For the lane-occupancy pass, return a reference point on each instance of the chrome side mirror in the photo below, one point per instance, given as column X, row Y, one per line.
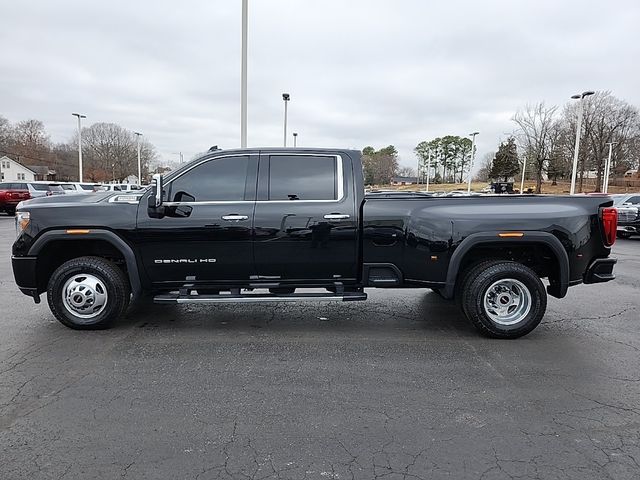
column 157, row 189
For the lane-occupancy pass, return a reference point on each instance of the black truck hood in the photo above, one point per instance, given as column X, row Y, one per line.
column 75, row 200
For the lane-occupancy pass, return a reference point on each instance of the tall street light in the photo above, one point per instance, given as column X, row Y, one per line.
column 473, row 154
column 428, row 169
column 285, row 97
column 607, row 169
column 79, row 144
column 579, row 96
column 295, row 139
column 138, row 135
column 243, row 76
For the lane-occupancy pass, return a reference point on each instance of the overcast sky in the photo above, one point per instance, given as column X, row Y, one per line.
column 359, row 72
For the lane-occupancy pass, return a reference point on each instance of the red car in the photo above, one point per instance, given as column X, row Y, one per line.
column 12, row 193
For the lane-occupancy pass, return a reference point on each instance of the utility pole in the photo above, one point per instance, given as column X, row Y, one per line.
column 473, row 154
column 243, row 76
column 138, row 135
column 574, row 171
column 79, row 144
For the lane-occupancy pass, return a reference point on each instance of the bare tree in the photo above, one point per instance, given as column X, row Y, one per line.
column 537, row 133
column 110, row 152
column 484, row 173
column 406, row 172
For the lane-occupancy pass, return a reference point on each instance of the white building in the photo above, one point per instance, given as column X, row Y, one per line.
column 10, row 170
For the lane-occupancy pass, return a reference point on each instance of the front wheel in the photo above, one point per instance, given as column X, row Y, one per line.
column 88, row 293
column 504, row 299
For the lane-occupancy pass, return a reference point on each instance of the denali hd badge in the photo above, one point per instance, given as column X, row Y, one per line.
column 185, row 260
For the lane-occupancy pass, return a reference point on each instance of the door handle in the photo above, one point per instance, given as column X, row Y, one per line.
column 234, row 218
column 336, row 216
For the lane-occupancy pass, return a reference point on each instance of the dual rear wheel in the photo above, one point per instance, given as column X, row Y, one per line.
column 502, row 299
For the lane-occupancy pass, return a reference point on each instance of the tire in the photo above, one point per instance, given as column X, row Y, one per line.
column 88, row 293
column 623, row 234
column 515, row 290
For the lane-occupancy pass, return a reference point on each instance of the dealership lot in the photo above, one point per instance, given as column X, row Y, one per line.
column 396, row 387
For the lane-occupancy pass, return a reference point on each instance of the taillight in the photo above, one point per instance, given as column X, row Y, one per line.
column 609, row 225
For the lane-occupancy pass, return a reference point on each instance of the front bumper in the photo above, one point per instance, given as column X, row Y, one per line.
column 24, row 272
column 600, row 270
column 629, row 228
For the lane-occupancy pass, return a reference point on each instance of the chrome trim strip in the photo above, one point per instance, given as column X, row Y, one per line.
column 339, row 170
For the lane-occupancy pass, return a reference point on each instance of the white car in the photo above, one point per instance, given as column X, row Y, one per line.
column 119, row 187
column 72, row 188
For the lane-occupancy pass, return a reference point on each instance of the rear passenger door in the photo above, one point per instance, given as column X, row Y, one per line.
column 305, row 218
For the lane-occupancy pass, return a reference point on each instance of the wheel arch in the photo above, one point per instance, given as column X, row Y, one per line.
column 88, row 242
column 491, row 241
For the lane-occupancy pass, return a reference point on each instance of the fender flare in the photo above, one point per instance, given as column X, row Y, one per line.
column 558, row 290
column 96, row 234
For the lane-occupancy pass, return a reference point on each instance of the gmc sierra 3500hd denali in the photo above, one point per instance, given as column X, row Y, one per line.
column 269, row 224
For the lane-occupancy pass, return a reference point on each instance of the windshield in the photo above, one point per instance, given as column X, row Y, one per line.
column 619, row 199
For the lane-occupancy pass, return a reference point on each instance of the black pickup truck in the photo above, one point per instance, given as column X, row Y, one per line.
column 281, row 225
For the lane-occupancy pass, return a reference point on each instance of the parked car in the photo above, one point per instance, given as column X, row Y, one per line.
column 12, row 193
column 119, row 187
column 263, row 225
column 71, row 188
column 628, row 207
column 44, row 189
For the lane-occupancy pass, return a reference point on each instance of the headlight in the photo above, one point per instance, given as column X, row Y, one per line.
column 22, row 221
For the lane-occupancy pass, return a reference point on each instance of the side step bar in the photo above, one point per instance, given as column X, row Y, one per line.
column 255, row 298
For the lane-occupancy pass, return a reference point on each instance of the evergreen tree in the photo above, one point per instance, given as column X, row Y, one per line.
column 505, row 163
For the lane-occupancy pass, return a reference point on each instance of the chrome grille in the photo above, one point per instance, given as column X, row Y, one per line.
column 627, row 214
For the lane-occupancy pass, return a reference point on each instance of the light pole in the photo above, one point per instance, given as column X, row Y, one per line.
column 473, row 154
column 579, row 96
column 285, row 97
column 79, row 143
column 138, row 135
column 243, row 76
column 295, row 139
column 524, row 169
column 607, row 169
column 428, row 169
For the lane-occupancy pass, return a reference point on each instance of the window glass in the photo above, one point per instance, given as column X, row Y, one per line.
column 41, row 187
column 220, row 179
column 302, row 177
column 67, row 187
column 634, row 200
column 22, row 186
column 85, row 186
column 4, row 186
column 55, row 188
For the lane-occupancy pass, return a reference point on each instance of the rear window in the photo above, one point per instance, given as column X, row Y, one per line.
column 85, row 186
column 19, row 186
column 4, row 186
column 41, row 187
column 55, row 188
column 67, row 187
column 302, row 177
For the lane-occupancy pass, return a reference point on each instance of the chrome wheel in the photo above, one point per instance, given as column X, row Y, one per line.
column 85, row 296
column 507, row 301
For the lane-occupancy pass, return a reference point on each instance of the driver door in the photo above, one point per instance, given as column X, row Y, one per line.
column 208, row 238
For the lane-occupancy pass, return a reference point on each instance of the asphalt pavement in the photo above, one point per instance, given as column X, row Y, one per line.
column 398, row 387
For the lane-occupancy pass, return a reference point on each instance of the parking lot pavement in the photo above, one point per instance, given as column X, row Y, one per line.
column 398, row 387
